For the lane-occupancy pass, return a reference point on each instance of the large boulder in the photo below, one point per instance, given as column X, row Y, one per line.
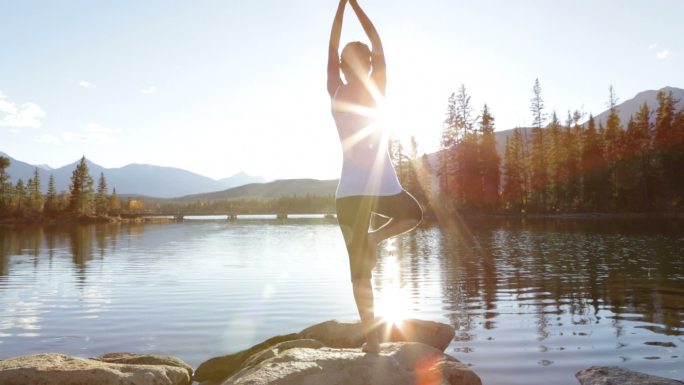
column 333, row 334
column 304, row 362
column 338, row 334
column 58, row 369
column 609, row 375
column 144, row 359
column 218, row 368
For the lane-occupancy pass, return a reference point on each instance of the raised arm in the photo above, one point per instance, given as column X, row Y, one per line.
column 378, row 74
column 334, row 79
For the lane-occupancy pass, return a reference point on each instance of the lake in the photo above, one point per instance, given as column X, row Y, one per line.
column 532, row 301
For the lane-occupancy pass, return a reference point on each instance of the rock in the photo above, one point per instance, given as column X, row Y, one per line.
column 435, row 334
column 281, row 347
column 58, row 369
column 339, row 334
column 221, row 367
column 336, row 334
column 608, row 375
column 144, row 359
column 397, row 364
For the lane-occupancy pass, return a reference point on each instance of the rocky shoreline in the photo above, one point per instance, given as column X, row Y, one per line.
column 326, row 353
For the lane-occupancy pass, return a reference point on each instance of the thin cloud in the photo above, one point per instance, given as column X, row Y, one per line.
column 49, row 139
column 652, row 46
column 84, row 84
column 93, row 133
column 149, row 90
column 664, row 54
column 26, row 115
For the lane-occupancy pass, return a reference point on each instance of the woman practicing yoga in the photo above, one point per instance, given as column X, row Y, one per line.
column 368, row 183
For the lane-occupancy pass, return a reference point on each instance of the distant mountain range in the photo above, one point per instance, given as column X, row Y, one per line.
column 182, row 185
column 277, row 188
column 133, row 179
column 632, row 106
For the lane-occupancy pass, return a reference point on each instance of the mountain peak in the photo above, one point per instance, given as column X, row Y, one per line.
column 631, row 106
column 241, row 179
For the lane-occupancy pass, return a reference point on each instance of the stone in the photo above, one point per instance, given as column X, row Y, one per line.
column 59, row 369
column 338, row 334
column 281, row 347
column 218, row 368
column 435, row 334
column 401, row 363
column 144, row 359
column 609, row 375
column 333, row 334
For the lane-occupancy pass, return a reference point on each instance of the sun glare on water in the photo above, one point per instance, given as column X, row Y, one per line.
column 391, row 303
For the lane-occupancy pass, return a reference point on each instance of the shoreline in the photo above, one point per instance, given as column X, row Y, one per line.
column 428, row 217
column 82, row 221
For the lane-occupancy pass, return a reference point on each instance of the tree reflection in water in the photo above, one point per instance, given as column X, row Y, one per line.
column 556, row 271
column 560, row 295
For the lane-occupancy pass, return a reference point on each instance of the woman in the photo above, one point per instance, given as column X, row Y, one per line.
column 368, row 183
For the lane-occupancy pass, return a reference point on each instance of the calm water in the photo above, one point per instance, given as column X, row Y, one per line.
column 532, row 302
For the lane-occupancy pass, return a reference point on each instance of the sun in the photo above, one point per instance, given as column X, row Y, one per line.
column 398, row 122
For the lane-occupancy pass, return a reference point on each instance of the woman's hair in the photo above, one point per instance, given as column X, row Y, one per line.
column 354, row 57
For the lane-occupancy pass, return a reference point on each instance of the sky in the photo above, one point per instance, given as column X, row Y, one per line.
column 219, row 87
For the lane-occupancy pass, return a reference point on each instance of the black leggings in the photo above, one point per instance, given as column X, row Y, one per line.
column 354, row 214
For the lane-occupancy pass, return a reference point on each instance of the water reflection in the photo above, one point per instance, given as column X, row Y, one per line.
column 604, row 266
column 558, row 285
column 558, row 295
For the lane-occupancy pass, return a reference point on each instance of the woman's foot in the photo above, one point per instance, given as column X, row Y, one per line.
column 371, row 347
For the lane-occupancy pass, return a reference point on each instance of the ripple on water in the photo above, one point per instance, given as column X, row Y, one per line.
column 532, row 302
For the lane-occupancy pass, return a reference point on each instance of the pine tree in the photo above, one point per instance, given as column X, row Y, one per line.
column 677, row 179
column 448, row 148
column 514, row 161
column 465, row 122
column 571, row 154
column 20, row 198
column 538, row 170
column 35, row 195
column 489, row 161
column 51, row 199
column 537, row 106
column 667, row 145
column 5, row 186
column 468, row 186
column 537, row 158
column 114, row 203
column 612, row 138
column 639, row 173
column 554, row 156
column 101, row 201
column 591, row 162
column 469, row 178
column 81, row 190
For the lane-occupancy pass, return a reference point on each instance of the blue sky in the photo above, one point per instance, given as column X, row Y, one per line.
column 218, row 87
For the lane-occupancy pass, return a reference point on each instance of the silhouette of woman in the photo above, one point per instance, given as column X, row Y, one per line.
column 368, row 183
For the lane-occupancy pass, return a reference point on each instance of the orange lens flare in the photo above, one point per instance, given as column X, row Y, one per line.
column 428, row 371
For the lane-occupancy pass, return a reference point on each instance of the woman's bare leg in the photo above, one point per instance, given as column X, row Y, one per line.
column 363, row 295
column 392, row 228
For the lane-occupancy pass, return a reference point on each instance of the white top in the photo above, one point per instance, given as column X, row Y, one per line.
column 366, row 165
